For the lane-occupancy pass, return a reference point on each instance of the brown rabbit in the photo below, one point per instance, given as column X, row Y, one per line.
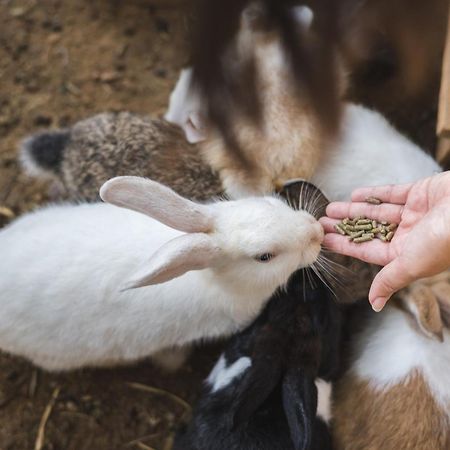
column 396, row 394
column 289, row 139
column 80, row 159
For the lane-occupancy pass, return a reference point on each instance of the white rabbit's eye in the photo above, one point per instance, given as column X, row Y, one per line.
column 265, row 257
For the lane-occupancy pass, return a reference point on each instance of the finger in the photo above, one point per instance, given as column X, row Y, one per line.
column 392, row 193
column 374, row 252
column 389, row 280
column 385, row 211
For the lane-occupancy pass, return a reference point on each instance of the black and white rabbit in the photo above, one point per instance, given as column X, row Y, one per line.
column 270, row 389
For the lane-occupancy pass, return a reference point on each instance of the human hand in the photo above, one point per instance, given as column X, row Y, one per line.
column 421, row 244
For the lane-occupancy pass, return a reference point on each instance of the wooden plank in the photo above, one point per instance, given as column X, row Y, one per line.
column 443, row 123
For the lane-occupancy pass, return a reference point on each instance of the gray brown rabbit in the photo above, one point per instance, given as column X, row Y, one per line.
column 81, row 158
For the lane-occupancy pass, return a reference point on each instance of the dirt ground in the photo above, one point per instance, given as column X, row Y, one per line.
column 61, row 61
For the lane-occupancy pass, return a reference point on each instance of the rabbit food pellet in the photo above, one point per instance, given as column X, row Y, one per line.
column 373, row 201
column 362, row 229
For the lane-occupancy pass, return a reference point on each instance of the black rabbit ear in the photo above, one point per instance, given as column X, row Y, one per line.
column 300, row 406
column 255, row 387
column 302, row 194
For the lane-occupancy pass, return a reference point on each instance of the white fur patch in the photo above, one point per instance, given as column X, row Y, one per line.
column 185, row 108
column 221, row 375
column 323, row 399
column 407, row 162
column 304, row 15
column 389, row 349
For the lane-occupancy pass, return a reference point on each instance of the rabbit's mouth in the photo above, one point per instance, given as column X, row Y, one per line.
column 311, row 254
column 318, row 234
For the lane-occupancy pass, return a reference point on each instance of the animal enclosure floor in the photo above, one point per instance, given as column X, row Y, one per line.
column 61, row 61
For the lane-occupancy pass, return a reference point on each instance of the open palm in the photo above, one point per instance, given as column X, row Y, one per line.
column 421, row 244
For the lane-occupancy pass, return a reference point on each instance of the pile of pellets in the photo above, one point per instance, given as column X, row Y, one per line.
column 362, row 229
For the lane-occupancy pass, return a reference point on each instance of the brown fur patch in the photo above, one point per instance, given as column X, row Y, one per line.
column 419, row 301
column 394, row 46
column 405, row 417
column 288, row 140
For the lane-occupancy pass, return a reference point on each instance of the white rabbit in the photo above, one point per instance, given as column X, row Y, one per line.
column 62, row 300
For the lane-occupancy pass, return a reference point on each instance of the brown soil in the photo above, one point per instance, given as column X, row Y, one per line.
column 61, row 61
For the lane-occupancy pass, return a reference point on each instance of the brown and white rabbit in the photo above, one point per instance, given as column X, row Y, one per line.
column 81, row 158
column 357, row 157
column 287, row 141
column 396, row 393
column 286, row 144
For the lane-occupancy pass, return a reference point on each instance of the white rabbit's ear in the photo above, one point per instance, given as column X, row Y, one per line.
column 188, row 252
column 159, row 202
column 194, row 128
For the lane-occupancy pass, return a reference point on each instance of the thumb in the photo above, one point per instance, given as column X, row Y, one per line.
column 389, row 280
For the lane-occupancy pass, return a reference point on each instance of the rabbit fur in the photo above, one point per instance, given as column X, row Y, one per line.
column 396, row 392
column 81, row 158
column 64, row 269
column 368, row 151
column 109, row 145
column 286, row 142
column 264, row 390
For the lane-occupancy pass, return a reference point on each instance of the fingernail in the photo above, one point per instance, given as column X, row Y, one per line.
column 378, row 304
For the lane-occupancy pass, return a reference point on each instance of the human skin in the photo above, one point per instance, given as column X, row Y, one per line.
column 421, row 244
